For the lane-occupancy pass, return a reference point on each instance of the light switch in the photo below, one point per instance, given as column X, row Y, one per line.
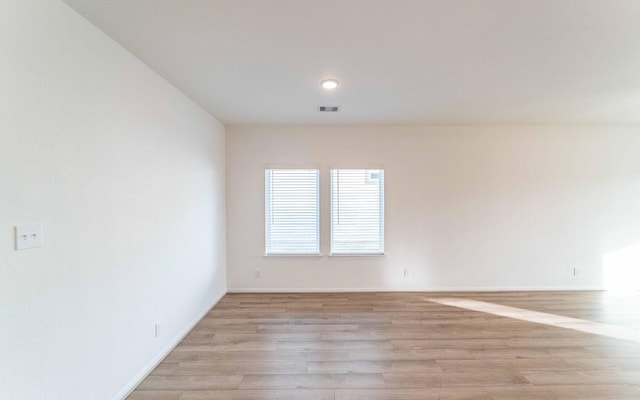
column 28, row 236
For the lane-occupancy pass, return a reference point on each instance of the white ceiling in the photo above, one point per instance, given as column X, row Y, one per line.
column 398, row 61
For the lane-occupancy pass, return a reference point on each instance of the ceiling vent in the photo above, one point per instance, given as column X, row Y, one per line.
column 328, row 108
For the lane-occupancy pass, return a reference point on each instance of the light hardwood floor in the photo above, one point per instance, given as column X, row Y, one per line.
column 400, row 346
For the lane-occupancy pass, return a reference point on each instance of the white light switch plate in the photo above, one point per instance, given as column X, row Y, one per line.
column 28, row 236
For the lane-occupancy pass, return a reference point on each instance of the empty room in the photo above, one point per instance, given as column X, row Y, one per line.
column 319, row 200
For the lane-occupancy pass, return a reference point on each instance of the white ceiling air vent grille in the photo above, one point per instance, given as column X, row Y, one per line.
column 328, row 108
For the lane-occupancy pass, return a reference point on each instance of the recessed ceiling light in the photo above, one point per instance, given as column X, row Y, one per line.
column 329, row 84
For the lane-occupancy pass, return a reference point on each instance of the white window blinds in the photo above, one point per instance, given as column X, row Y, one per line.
column 292, row 212
column 357, row 211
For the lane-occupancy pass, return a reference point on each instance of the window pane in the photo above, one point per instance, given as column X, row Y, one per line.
column 291, row 217
column 357, row 211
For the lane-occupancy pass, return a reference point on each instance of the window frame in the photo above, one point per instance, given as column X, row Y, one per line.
column 381, row 212
column 267, row 202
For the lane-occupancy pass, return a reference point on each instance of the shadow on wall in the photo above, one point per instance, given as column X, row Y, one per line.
column 621, row 269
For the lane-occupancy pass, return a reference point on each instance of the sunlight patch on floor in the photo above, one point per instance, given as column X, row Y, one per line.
column 596, row 328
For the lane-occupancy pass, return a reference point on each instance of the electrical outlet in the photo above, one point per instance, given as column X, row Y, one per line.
column 406, row 272
column 576, row 272
column 257, row 274
column 157, row 327
column 28, row 236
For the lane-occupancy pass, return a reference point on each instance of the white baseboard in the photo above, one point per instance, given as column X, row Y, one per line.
column 151, row 365
column 424, row 289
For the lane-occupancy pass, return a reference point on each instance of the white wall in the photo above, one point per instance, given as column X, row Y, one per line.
column 466, row 207
column 126, row 176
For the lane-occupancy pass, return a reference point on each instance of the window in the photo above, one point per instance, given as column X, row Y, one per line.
column 292, row 214
column 357, row 211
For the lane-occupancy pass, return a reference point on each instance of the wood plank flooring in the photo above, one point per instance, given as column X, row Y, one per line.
column 370, row 346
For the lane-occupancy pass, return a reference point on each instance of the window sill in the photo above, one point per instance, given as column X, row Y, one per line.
column 357, row 255
column 291, row 255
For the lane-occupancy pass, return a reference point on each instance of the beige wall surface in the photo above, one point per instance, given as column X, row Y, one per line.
column 126, row 176
column 466, row 207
